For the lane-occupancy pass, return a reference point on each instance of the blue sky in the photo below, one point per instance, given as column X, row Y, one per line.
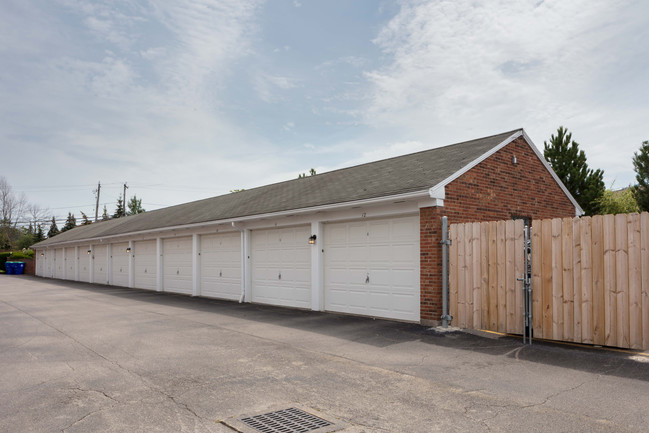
column 187, row 99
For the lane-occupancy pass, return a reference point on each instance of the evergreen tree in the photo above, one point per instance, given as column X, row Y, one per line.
column 135, row 206
column 54, row 229
column 70, row 223
column 120, row 211
column 39, row 236
column 569, row 163
column 85, row 221
column 641, row 168
column 104, row 216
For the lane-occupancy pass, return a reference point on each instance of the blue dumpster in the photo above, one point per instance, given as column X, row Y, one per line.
column 9, row 267
column 19, row 268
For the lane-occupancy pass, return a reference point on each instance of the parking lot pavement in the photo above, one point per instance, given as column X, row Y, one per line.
column 82, row 358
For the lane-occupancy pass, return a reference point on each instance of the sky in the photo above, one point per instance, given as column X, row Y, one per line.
column 188, row 99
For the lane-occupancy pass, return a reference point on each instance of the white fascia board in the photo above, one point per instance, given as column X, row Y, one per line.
column 578, row 210
column 335, row 206
column 438, row 192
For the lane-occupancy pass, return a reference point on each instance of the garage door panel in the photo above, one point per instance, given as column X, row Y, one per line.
column 70, row 259
column 281, row 266
column 386, row 251
column 145, row 264
column 100, row 275
column 221, row 265
column 177, row 265
column 119, row 264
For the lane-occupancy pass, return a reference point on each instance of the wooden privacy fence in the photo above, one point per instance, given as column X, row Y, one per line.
column 590, row 278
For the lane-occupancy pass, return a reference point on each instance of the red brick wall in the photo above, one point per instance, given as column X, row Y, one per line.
column 495, row 189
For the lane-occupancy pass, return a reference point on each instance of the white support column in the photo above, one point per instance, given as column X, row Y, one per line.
column 317, row 272
column 196, row 265
column 76, row 263
column 65, row 265
column 91, row 260
column 131, row 265
column 246, row 270
column 159, row 264
column 109, row 264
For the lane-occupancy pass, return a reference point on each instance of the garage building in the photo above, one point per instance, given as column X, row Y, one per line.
column 360, row 240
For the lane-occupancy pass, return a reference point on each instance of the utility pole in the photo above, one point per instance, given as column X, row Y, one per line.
column 125, row 186
column 97, row 205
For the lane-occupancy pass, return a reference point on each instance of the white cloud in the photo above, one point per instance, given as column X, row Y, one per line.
column 481, row 68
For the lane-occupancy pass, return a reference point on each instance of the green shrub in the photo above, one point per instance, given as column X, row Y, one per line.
column 27, row 254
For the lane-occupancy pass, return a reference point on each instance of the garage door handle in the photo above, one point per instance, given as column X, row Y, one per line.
column 279, row 277
column 367, row 279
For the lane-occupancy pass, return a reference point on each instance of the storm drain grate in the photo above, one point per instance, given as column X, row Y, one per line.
column 286, row 421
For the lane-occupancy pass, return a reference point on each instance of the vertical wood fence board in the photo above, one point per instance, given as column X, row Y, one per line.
column 567, row 281
column 622, row 279
column 493, row 276
column 477, row 277
column 519, row 271
column 586, row 281
column 610, row 303
column 537, row 281
column 597, row 252
column 644, row 246
column 468, row 257
column 484, row 275
column 576, row 279
column 453, row 273
column 510, row 276
column 502, row 258
column 635, row 282
column 546, row 276
column 461, row 278
column 557, row 279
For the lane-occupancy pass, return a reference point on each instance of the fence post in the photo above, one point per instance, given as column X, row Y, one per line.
column 446, row 318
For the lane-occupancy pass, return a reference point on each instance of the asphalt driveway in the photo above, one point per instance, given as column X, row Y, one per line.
column 81, row 358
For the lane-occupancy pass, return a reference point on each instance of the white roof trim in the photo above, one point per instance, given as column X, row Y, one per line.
column 438, row 191
column 228, row 221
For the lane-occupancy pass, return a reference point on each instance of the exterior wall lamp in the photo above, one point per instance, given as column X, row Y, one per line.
column 128, row 249
column 89, row 251
column 312, row 239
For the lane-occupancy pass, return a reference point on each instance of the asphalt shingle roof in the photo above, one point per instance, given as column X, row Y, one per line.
column 399, row 175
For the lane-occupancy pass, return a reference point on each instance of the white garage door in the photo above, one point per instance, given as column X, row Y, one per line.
column 59, row 271
column 177, row 268
column 145, row 265
column 281, row 266
column 221, row 265
column 119, row 264
column 100, row 273
column 372, row 268
column 70, row 259
column 84, row 265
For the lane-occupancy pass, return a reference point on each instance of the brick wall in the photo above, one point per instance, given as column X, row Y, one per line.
column 495, row 189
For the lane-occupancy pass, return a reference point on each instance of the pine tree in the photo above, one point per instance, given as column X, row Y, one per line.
column 54, row 229
column 85, row 221
column 104, row 216
column 120, row 211
column 135, row 206
column 39, row 236
column 641, row 168
column 70, row 223
column 569, row 163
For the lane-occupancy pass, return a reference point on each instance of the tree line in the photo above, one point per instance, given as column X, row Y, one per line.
column 587, row 185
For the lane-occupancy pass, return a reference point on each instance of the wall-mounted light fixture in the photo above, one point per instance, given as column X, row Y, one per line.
column 312, row 239
column 514, row 160
column 42, row 254
column 128, row 249
column 89, row 251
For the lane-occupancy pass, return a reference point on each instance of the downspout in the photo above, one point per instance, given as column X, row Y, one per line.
column 243, row 263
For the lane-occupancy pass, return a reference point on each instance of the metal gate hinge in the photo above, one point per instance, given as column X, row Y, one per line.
column 446, row 242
